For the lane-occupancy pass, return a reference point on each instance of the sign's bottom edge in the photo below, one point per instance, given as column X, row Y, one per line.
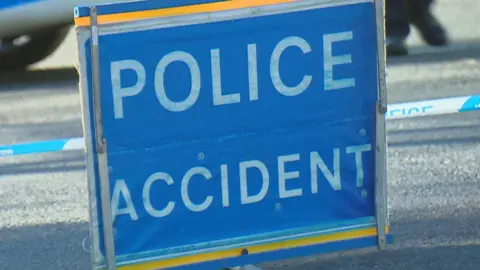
column 339, row 242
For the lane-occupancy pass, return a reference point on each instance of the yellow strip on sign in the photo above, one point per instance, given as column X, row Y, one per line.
column 218, row 255
column 185, row 10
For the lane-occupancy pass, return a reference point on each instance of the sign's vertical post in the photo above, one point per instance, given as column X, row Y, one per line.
column 101, row 146
column 381, row 202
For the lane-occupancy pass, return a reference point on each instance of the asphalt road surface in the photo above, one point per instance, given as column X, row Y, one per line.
column 434, row 182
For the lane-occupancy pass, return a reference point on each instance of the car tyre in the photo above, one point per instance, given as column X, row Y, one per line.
column 17, row 53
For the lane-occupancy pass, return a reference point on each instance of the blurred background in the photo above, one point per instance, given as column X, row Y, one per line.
column 434, row 182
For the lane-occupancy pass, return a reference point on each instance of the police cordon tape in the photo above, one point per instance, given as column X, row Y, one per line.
column 394, row 111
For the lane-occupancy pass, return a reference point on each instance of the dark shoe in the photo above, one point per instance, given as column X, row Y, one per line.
column 396, row 46
column 430, row 28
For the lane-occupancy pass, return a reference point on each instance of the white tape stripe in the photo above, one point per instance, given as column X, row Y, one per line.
column 74, row 144
column 430, row 107
column 394, row 111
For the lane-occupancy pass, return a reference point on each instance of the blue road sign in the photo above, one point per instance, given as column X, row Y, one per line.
column 235, row 137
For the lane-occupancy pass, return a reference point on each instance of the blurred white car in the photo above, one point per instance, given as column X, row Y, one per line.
column 31, row 30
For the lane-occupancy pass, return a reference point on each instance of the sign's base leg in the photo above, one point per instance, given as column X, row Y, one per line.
column 246, row 267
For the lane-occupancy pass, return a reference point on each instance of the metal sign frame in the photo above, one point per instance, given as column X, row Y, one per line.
column 96, row 145
column 381, row 198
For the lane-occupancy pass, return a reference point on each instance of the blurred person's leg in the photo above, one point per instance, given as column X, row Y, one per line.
column 421, row 16
column 397, row 27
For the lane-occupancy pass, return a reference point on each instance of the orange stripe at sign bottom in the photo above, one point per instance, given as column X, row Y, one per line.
column 224, row 254
column 186, row 10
